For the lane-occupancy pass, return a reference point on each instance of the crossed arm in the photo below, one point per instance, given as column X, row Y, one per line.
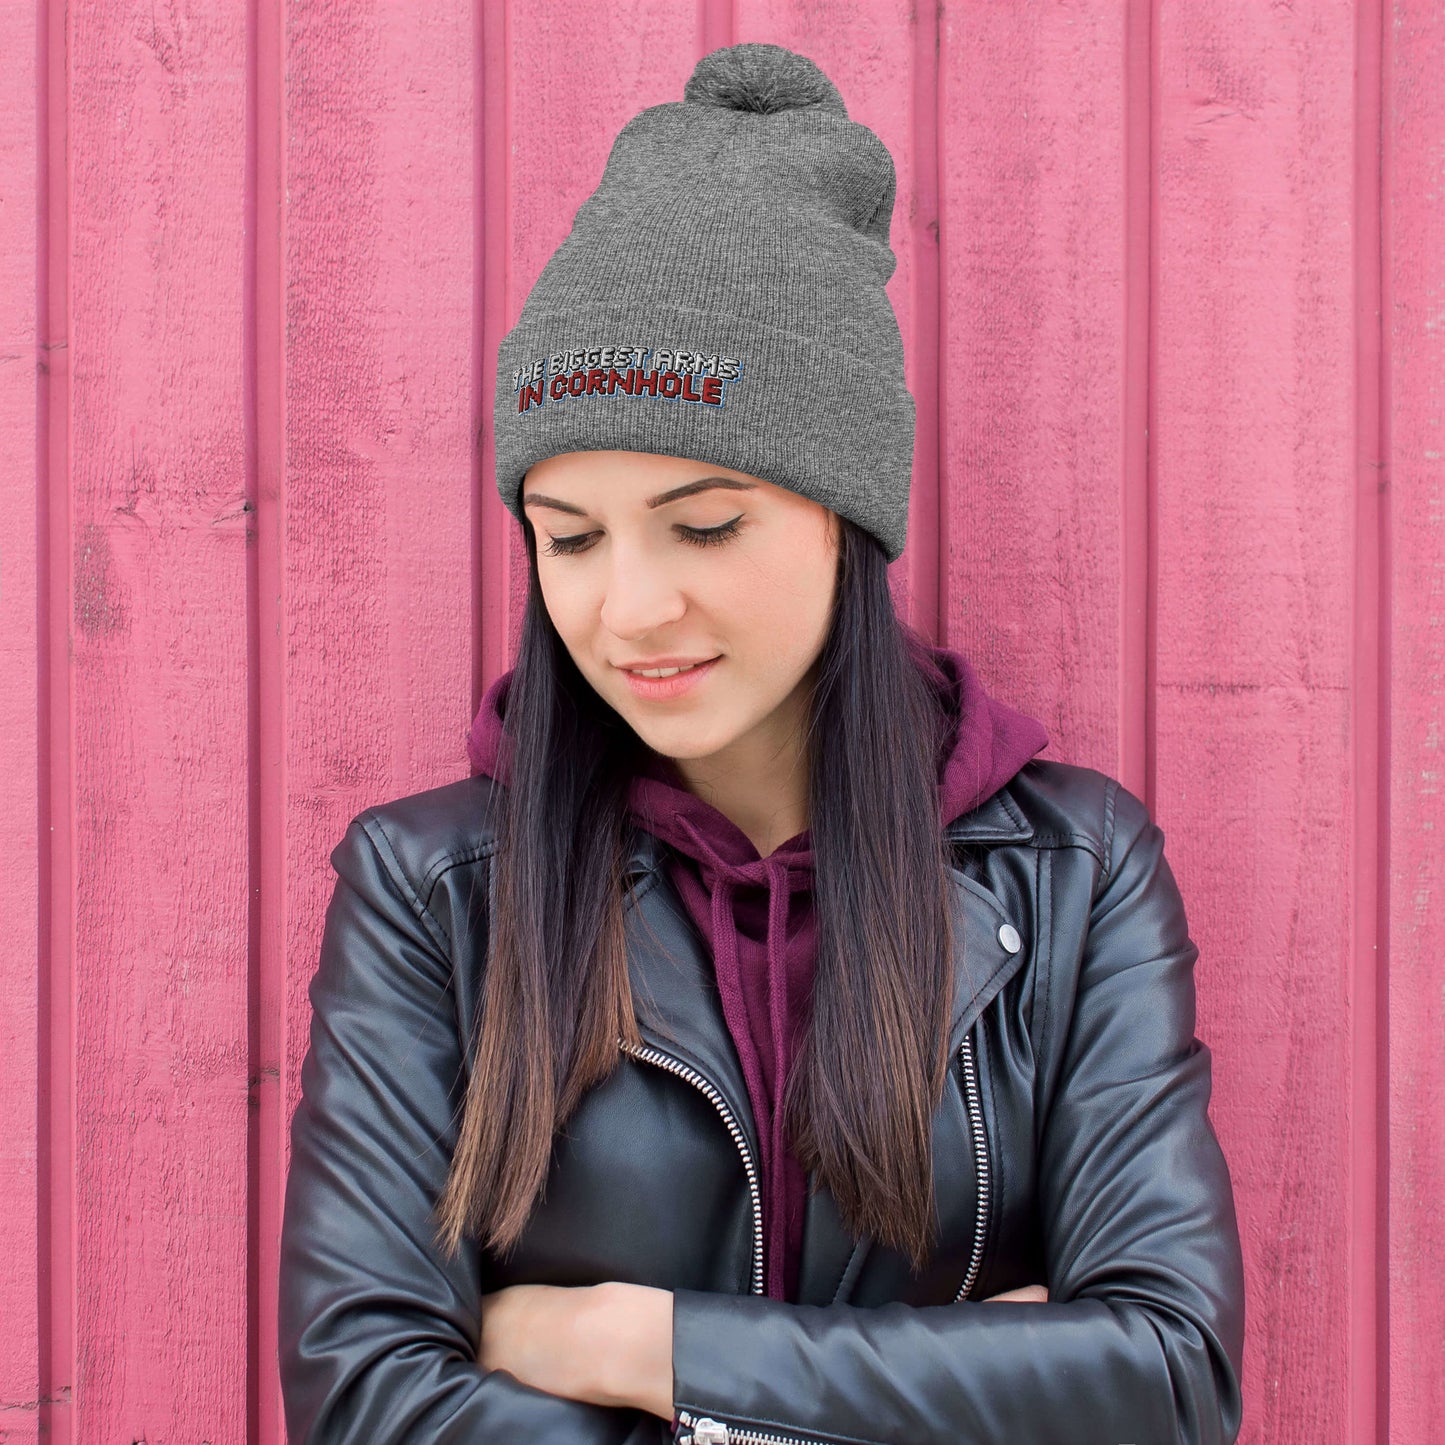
column 606, row 1344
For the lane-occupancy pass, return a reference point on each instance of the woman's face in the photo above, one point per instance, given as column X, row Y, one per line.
column 632, row 578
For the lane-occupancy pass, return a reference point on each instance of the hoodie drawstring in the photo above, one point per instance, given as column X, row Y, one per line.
column 771, row 873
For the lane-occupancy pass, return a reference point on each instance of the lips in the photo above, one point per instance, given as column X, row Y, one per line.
column 664, row 669
column 675, row 684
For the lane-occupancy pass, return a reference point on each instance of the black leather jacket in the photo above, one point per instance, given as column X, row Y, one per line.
column 1072, row 1149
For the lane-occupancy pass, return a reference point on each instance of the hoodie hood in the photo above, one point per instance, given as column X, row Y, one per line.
column 757, row 913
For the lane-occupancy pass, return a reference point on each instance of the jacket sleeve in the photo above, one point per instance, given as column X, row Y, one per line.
column 1142, row 1335
column 378, row 1330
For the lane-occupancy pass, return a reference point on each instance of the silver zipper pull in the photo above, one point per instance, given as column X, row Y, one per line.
column 708, row 1431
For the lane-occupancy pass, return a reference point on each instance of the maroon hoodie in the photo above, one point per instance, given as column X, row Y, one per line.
column 758, row 916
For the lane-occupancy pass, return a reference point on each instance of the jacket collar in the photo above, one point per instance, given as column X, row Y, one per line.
column 996, row 820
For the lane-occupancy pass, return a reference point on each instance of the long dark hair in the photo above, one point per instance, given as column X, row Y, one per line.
column 859, row 1102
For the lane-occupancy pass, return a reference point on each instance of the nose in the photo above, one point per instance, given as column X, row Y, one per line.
column 641, row 598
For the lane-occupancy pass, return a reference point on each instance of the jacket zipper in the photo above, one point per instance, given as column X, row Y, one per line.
column 980, row 1159
column 703, row 1429
column 675, row 1066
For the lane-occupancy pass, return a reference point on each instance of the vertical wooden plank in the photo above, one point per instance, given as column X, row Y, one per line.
column 573, row 77
column 1256, row 504
column 1367, row 1319
column 20, row 642
column 374, row 518
column 378, row 267
column 55, row 1079
column 882, row 58
column 1032, row 361
column 157, row 658
column 1414, row 377
column 268, row 1018
column 495, row 536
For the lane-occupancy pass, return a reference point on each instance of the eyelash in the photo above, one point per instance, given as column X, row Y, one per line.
column 698, row 536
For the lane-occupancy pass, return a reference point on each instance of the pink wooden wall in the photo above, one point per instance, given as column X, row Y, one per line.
column 1171, row 278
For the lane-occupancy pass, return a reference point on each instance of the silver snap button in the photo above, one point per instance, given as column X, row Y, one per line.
column 1008, row 935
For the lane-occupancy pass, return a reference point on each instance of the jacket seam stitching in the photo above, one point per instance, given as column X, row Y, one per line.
column 389, row 860
column 439, row 870
column 1038, row 999
column 1110, row 793
column 997, row 1157
column 843, row 1273
column 1013, row 810
column 983, row 987
column 1037, row 841
column 638, row 891
column 1045, row 905
column 1068, row 840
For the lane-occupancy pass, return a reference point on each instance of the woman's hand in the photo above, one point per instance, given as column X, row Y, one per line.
column 541, row 1334
column 1037, row 1293
column 606, row 1344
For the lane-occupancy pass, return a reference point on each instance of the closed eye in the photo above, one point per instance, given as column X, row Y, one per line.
column 697, row 536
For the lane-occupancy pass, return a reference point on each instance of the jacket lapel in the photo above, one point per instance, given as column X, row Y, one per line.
column 983, row 965
column 674, row 987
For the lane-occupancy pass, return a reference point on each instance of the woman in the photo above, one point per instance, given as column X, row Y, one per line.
column 764, row 1002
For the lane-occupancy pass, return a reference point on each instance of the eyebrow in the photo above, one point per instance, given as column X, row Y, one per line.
column 688, row 489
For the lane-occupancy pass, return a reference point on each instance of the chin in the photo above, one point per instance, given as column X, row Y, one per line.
column 683, row 739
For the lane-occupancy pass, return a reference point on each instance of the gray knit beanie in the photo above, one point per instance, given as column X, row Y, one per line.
column 721, row 297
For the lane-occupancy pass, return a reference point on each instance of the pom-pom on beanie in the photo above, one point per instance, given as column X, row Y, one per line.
column 720, row 296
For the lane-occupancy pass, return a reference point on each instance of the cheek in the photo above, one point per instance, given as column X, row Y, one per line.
column 567, row 606
column 780, row 602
